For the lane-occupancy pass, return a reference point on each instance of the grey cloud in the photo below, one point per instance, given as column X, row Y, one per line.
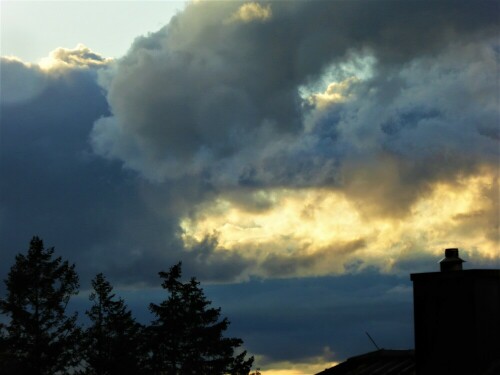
column 217, row 266
column 220, row 101
column 51, row 184
column 191, row 95
column 204, row 107
column 19, row 82
column 275, row 318
column 430, row 128
column 319, row 311
column 103, row 218
column 287, row 265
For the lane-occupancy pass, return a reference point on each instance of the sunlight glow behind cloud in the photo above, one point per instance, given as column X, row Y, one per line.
column 307, row 366
column 249, row 12
column 79, row 57
column 300, row 224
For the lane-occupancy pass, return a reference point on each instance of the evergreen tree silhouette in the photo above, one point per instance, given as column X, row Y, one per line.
column 187, row 336
column 40, row 338
column 113, row 341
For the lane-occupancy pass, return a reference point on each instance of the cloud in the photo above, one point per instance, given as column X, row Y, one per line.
column 204, row 98
column 431, row 129
column 205, row 108
column 301, row 262
column 249, row 12
column 51, row 184
column 330, row 314
column 275, row 317
column 20, row 81
column 361, row 148
column 78, row 57
column 103, row 218
column 336, row 92
column 307, row 232
column 311, row 365
column 262, row 161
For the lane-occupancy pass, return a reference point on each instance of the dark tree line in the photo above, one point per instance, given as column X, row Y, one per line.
column 39, row 337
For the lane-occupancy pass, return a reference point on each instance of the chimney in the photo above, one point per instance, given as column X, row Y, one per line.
column 451, row 261
column 457, row 319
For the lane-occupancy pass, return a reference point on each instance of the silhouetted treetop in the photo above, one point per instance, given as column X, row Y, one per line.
column 113, row 342
column 187, row 334
column 39, row 338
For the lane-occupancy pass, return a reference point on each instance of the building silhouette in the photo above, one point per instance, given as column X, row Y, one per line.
column 457, row 326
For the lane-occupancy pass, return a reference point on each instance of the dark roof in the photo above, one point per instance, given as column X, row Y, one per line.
column 380, row 362
column 471, row 274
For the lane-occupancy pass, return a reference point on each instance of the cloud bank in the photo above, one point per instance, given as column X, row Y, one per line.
column 358, row 137
column 379, row 107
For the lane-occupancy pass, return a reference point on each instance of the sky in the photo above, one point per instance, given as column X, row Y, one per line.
column 301, row 158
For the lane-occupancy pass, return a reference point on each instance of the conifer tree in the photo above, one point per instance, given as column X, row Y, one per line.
column 113, row 341
column 187, row 336
column 39, row 338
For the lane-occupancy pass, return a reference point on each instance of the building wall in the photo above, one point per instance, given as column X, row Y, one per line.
column 457, row 321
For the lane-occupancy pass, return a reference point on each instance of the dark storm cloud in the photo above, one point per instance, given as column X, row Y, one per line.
column 210, row 97
column 19, row 83
column 96, row 214
column 295, row 319
column 51, row 184
column 428, row 124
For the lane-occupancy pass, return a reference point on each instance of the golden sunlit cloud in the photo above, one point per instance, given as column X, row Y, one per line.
column 312, row 365
column 336, row 92
column 79, row 57
column 16, row 59
column 307, row 232
column 250, row 12
column 336, row 83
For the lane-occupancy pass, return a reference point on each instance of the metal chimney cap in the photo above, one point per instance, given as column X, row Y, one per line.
column 451, row 260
